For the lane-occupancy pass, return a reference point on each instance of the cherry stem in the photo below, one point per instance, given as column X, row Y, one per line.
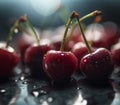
column 85, row 40
column 31, row 27
column 23, row 29
column 66, row 30
column 24, row 20
column 94, row 13
column 10, row 35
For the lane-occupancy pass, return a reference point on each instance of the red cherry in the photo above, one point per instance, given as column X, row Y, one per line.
column 115, row 50
column 56, row 42
column 34, row 58
column 102, row 35
column 34, row 53
column 22, row 43
column 97, row 65
column 8, row 60
column 79, row 50
column 8, row 57
column 116, row 56
column 59, row 65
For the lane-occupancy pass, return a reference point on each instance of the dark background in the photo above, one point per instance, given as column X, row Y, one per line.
column 10, row 10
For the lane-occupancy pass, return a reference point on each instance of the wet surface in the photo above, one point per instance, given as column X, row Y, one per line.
column 25, row 90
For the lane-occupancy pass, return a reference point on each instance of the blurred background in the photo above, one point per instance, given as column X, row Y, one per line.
column 44, row 14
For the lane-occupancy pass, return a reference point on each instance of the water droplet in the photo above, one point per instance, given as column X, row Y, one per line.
column 22, row 78
column 34, row 86
column 43, row 92
column 16, row 30
column 96, row 62
column 3, row 91
column 41, row 100
column 62, row 54
column 45, row 103
column 36, row 93
column 50, row 99
column 24, row 82
column 16, row 80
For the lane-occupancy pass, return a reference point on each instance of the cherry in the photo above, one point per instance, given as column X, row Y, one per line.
column 79, row 50
column 115, row 51
column 8, row 60
column 116, row 56
column 22, row 43
column 111, row 34
column 97, row 65
column 25, row 39
column 60, row 65
column 34, row 58
column 56, row 42
column 34, row 55
column 8, row 57
column 102, row 35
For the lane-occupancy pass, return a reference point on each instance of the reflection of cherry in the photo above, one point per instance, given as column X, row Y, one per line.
column 97, row 65
column 60, row 65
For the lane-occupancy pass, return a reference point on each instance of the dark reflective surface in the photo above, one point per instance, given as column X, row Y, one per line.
column 25, row 90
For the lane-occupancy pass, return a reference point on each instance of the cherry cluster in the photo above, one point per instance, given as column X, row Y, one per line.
column 61, row 55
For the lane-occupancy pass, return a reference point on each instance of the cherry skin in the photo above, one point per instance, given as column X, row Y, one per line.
column 79, row 50
column 116, row 56
column 34, row 58
column 22, row 43
column 97, row 65
column 56, row 42
column 115, row 51
column 59, row 65
column 8, row 60
column 102, row 36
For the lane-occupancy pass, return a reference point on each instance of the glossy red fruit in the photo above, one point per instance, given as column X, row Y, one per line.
column 8, row 60
column 116, row 56
column 102, row 35
column 56, row 42
column 79, row 50
column 59, row 65
column 34, row 58
column 22, row 43
column 97, row 65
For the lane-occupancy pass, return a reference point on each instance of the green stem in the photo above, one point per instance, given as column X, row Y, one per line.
column 85, row 40
column 94, row 13
column 28, row 24
column 10, row 35
column 66, row 30
column 22, row 29
column 65, row 34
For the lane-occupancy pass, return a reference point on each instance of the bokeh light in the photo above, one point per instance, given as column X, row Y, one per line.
column 45, row 7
